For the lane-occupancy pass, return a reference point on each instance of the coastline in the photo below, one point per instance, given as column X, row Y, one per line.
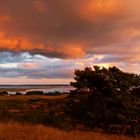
column 23, row 89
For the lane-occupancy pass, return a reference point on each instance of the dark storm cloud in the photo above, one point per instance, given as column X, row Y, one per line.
column 33, row 33
column 55, row 28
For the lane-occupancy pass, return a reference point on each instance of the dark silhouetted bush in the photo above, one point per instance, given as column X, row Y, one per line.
column 53, row 93
column 3, row 93
column 34, row 93
column 19, row 93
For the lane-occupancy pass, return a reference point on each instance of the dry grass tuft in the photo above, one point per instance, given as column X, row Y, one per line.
column 17, row 131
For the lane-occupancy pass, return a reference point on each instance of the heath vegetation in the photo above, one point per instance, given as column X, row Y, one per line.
column 105, row 100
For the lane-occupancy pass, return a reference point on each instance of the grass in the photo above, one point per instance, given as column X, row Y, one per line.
column 18, row 131
column 25, row 117
column 36, row 109
column 28, row 97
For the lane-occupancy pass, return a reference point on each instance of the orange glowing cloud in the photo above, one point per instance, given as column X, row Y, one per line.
column 4, row 19
column 6, row 43
column 71, row 50
column 70, row 29
column 40, row 6
column 93, row 9
column 15, row 44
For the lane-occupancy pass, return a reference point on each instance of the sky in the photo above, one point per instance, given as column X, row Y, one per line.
column 44, row 41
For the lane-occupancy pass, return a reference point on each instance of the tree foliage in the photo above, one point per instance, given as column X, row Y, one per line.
column 111, row 97
column 97, row 78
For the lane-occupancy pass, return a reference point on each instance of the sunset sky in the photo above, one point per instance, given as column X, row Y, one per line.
column 43, row 41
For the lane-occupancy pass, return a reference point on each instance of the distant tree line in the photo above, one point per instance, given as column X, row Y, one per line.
column 53, row 93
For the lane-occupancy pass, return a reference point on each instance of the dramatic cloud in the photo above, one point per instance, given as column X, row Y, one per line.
column 40, row 6
column 77, row 32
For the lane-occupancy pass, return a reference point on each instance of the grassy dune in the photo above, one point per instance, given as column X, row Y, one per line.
column 17, row 131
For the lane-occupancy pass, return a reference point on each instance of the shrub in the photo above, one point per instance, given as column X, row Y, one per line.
column 3, row 93
column 34, row 93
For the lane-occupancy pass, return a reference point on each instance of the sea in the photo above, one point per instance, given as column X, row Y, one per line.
column 12, row 89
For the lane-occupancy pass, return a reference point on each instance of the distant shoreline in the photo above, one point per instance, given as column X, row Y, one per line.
column 35, row 85
column 23, row 88
column 14, row 89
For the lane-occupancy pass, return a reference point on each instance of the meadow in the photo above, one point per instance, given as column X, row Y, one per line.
column 31, row 97
column 43, row 117
column 18, row 131
column 35, row 109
